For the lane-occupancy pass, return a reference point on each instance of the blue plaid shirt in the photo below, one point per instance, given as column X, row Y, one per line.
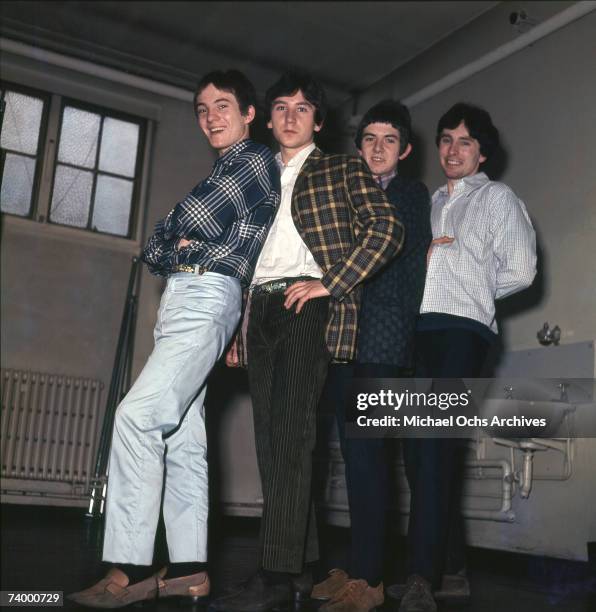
column 226, row 217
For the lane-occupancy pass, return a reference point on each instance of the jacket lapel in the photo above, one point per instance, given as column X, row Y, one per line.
column 310, row 162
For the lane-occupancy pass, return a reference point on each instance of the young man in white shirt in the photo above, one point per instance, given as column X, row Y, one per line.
column 483, row 249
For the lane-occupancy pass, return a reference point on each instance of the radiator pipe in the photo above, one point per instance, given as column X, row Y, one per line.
column 119, row 384
column 504, row 514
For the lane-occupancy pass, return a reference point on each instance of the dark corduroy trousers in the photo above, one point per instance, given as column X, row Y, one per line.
column 287, row 365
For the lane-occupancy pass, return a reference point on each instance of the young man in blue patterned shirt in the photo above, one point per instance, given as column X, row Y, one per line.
column 207, row 247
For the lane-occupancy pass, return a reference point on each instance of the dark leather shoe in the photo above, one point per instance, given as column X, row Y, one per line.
column 256, row 596
column 302, row 585
column 418, row 596
column 455, row 589
column 114, row 591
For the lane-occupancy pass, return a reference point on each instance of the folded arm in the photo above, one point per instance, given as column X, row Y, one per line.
column 211, row 207
column 378, row 233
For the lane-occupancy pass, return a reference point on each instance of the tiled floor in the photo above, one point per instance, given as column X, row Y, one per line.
column 57, row 549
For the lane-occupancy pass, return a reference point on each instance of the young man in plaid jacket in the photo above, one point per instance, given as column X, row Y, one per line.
column 334, row 228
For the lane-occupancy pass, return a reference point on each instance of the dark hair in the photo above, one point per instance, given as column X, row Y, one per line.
column 387, row 111
column 292, row 81
column 478, row 123
column 234, row 82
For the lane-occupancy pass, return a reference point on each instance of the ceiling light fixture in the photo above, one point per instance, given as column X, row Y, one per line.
column 521, row 21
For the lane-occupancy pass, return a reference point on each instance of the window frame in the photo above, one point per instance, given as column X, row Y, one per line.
column 103, row 112
column 47, row 161
column 40, row 155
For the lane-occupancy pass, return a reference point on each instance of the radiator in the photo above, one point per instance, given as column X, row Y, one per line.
column 49, row 434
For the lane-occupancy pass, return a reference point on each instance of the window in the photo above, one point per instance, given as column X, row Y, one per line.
column 92, row 163
column 23, row 126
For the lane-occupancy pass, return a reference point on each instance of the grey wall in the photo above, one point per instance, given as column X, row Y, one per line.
column 63, row 289
column 542, row 98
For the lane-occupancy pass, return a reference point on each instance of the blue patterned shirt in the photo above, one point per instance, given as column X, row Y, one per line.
column 226, row 217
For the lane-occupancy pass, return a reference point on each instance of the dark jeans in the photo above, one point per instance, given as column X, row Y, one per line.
column 287, row 364
column 367, row 473
column 434, row 466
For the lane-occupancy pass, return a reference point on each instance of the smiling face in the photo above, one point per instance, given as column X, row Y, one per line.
column 220, row 118
column 293, row 124
column 459, row 153
column 380, row 148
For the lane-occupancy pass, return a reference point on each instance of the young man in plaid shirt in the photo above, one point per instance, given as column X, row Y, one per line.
column 207, row 247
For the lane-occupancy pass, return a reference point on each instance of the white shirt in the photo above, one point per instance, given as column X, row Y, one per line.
column 493, row 254
column 284, row 254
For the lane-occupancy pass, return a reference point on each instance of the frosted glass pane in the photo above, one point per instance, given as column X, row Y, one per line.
column 111, row 211
column 118, row 152
column 71, row 197
column 17, row 184
column 78, row 138
column 21, row 123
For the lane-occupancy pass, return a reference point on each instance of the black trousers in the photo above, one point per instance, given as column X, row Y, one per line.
column 436, row 540
column 287, row 365
column 367, row 464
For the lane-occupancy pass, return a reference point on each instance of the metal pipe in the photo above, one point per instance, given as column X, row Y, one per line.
column 564, row 447
column 526, row 476
column 103, row 72
column 504, row 514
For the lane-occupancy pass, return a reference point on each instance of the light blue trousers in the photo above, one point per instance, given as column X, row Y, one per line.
column 196, row 319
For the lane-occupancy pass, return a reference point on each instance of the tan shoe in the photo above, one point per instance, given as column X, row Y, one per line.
column 330, row 586
column 113, row 591
column 356, row 596
column 193, row 588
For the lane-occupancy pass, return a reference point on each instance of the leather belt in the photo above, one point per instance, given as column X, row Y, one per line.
column 276, row 286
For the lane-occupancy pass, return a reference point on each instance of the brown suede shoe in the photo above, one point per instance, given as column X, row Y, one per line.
column 330, row 586
column 193, row 588
column 356, row 596
column 113, row 591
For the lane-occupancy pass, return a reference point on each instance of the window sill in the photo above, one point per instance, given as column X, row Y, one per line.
column 37, row 229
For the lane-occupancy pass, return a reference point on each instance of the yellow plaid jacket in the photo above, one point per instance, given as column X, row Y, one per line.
column 351, row 229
